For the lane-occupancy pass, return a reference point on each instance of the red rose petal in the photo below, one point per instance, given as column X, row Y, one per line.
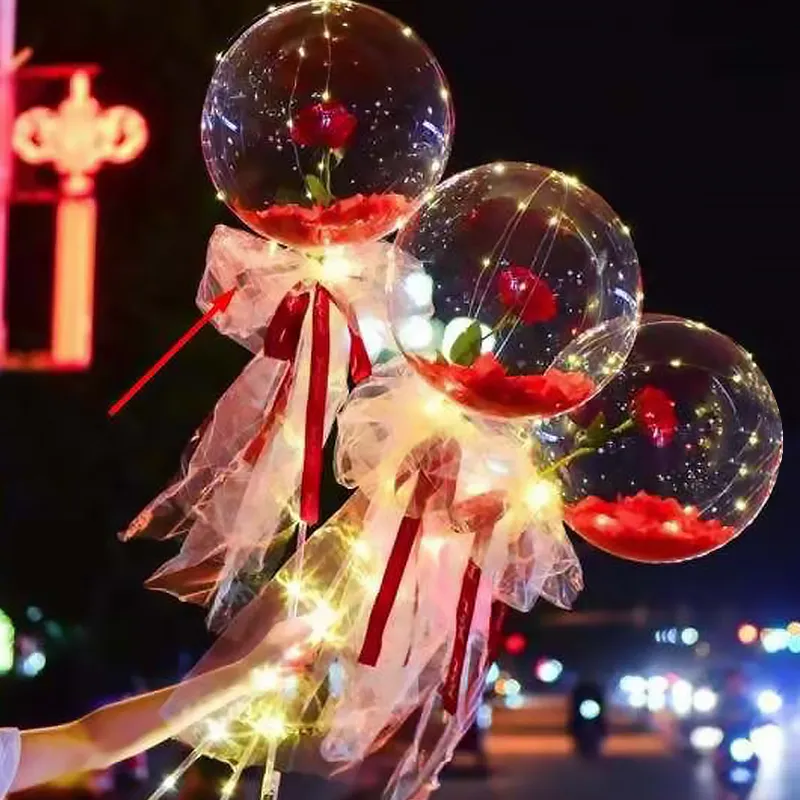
column 486, row 386
column 353, row 220
column 645, row 527
column 526, row 294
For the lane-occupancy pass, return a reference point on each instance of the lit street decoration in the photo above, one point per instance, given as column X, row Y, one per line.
column 8, row 15
column 79, row 136
column 76, row 140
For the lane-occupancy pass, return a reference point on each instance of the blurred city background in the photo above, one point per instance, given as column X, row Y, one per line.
column 682, row 117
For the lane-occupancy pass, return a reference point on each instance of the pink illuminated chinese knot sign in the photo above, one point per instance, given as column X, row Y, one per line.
column 79, row 136
column 76, row 139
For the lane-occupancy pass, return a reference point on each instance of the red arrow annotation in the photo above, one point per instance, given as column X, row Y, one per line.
column 220, row 303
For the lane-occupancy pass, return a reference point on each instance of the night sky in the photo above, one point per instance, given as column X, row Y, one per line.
column 683, row 119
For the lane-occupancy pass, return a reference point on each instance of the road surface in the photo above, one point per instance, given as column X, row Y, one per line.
column 531, row 759
column 534, row 761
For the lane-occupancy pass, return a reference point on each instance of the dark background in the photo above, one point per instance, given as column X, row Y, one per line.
column 683, row 118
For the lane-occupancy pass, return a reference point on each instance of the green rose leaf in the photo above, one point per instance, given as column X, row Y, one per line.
column 285, row 196
column 596, row 434
column 467, row 346
column 316, row 188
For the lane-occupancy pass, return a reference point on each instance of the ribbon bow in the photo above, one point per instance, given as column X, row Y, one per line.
column 282, row 342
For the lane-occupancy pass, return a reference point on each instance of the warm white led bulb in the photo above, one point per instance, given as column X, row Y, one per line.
column 217, row 730
column 335, row 266
column 418, row 287
column 272, row 727
column 294, row 589
column 321, row 620
column 541, row 495
column 265, row 679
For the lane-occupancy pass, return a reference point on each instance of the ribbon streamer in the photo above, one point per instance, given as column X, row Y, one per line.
column 437, row 466
column 282, row 342
column 255, row 467
column 464, row 615
column 496, row 625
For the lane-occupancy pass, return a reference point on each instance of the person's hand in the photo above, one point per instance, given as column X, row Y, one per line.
column 286, row 647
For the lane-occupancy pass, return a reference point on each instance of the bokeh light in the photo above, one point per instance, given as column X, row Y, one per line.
column 549, row 670
column 748, row 634
column 515, row 644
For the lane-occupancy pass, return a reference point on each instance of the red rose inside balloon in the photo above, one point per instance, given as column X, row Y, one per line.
column 480, row 381
column 654, row 412
column 526, row 296
column 327, row 124
column 517, row 294
column 324, row 123
column 678, row 453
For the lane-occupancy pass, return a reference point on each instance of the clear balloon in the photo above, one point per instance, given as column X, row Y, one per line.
column 324, row 122
column 679, row 452
column 515, row 291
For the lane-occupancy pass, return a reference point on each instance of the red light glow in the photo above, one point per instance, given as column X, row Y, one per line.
column 76, row 140
column 516, row 644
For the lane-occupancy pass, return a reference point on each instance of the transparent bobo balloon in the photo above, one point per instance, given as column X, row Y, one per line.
column 677, row 455
column 324, row 122
column 515, row 291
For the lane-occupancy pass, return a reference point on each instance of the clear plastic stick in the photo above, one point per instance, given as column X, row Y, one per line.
column 232, row 782
column 299, row 557
column 271, row 781
column 171, row 781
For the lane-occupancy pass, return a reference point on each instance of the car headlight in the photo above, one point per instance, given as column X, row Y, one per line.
column 741, row 750
column 589, row 709
column 769, row 702
column 705, row 738
column 705, row 700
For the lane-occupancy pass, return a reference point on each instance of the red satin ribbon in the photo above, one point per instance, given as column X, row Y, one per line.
column 436, row 462
column 479, row 514
column 282, row 341
column 499, row 611
column 451, row 688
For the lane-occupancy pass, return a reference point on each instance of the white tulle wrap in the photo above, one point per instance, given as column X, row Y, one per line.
column 394, row 432
column 228, row 507
column 403, row 586
column 387, row 429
